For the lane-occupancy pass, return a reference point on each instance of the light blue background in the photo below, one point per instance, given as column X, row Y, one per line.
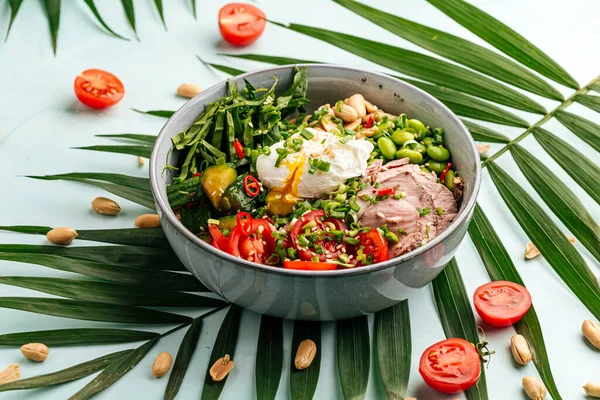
column 40, row 119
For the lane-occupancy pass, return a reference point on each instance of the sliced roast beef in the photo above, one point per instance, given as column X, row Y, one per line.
column 415, row 217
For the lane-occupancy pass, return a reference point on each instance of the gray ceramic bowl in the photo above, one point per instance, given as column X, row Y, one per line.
column 325, row 295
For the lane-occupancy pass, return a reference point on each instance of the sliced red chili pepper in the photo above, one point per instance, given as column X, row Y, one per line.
column 443, row 175
column 196, row 174
column 244, row 221
column 238, row 148
column 369, row 121
column 251, row 186
column 384, row 191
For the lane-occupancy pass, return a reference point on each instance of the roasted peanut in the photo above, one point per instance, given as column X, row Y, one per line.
column 591, row 331
column 147, row 221
column 162, row 364
column 61, row 235
column 531, row 251
column 592, row 389
column 534, row 388
column 483, row 148
column 10, row 373
column 520, row 349
column 141, row 161
column 221, row 368
column 105, row 206
column 188, row 90
column 357, row 101
column 345, row 113
column 35, row 351
column 371, row 108
column 353, row 125
column 305, row 354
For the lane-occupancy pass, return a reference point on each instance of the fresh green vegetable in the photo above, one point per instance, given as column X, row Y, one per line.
column 387, row 147
column 228, row 222
column 184, row 192
column 236, row 199
column 419, row 128
column 216, row 180
column 449, row 180
column 438, row 153
column 401, row 136
column 414, row 157
column 195, row 218
column 436, row 166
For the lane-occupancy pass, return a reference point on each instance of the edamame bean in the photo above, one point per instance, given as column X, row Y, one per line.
column 419, row 128
column 418, row 147
column 428, row 141
column 414, row 156
column 400, row 136
column 387, row 147
column 438, row 153
column 449, row 180
column 436, row 166
column 424, row 169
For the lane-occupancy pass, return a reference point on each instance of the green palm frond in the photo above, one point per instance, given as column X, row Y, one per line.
column 269, row 357
column 353, row 356
column 303, row 382
column 96, row 13
column 14, row 9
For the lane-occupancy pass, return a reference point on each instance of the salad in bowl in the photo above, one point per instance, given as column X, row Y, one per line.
column 346, row 186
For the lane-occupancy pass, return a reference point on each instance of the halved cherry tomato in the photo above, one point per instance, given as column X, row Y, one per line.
column 98, row 89
column 241, row 24
column 501, row 303
column 309, row 265
column 330, row 247
column 450, row 366
column 374, row 245
column 219, row 240
column 244, row 221
column 256, row 246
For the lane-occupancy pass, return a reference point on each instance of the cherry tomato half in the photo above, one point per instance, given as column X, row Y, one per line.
column 450, row 366
column 330, row 247
column 374, row 245
column 309, row 265
column 501, row 303
column 241, row 24
column 98, row 89
column 256, row 246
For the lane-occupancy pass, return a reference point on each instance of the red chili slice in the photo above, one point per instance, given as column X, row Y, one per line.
column 219, row 240
column 384, row 191
column 238, row 148
column 244, row 221
column 443, row 175
column 196, row 174
column 251, row 186
column 369, row 121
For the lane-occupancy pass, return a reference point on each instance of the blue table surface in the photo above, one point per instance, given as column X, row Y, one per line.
column 40, row 120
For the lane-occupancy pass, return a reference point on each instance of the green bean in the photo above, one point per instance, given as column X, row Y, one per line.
column 414, row 157
column 436, row 166
column 387, row 147
column 400, row 136
column 438, row 153
column 449, row 180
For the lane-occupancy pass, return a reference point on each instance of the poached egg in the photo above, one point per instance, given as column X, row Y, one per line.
column 291, row 182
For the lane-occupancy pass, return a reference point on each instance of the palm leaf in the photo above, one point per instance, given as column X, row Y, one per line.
column 227, row 70
column 269, row 357
column 579, row 167
column 117, row 179
column 90, row 311
column 550, row 241
column 456, row 49
column 457, row 317
column 14, row 9
column 156, row 113
column 183, row 358
column 500, row 267
column 393, row 345
column 142, row 151
column 53, row 14
column 133, row 136
column 127, row 275
column 270, row 59
column 193, row 4
column 94, row 10
column 111, row 293
column 468, row 106
column 586, row 130
column 129, row 13
column 65, row 375
column 76, row 336
column 114, row 371
column 589, row 101
column 128, row 256
column 561, row 200
column 483, row 134
column 149, row 237
column 303, row 382
column 224, row 344
column 504, row 39
column 353, row 356
column 423, row 67
column 161, row 11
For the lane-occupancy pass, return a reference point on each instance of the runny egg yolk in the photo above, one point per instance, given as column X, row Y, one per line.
column 281, row 200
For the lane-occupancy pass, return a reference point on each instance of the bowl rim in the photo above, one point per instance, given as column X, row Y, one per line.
column 167, row 212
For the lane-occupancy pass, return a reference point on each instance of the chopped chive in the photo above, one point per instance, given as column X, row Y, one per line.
column 336, row 214
column 306, row 134
column 310, row 225
column 423, row 211
column 351, row 241
column 440, row 211
column 392, row 236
